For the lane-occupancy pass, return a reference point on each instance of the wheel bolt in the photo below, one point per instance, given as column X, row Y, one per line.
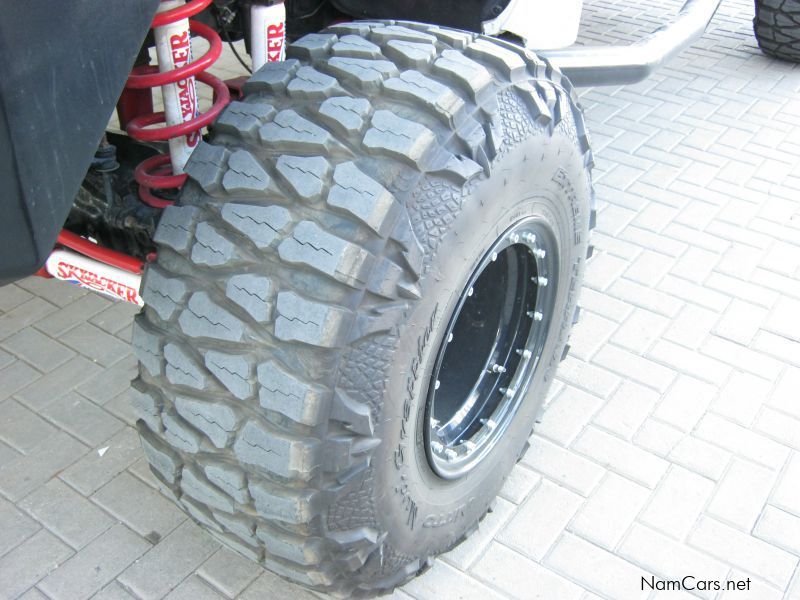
column 494, row 256
column 539, row 253
column 514, row 238
column 541, row 281
column 530, row 238
column 526, row 354
column 450, row 454
column 489, row 424
column 437, row 384
column 469, row 446
column 450, row 337
column 437, row 447
column 535, row 315
column 497, row 369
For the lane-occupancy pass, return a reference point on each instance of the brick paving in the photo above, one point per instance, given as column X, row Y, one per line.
column 672, row 442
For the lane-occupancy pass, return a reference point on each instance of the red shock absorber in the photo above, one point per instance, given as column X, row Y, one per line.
column 175, row 74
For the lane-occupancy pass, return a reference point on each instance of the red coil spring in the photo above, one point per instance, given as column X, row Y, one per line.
column 156, row 173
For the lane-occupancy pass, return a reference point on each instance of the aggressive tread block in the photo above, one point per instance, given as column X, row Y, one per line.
column 205, row 318
column 230, row 479
column 309, row 244
column 216, row 420
column 252, row 293
column 361, row 196
column 306, row 175
column 310, row 84
column 355, row 46
column 163, row 294
column 180, row 435
column 398, row 137
column 164, row 460
column 181, row 369
column 260, row 224
column 273, row 77
column 349, row 114
column 276, row 454
column 245, row 175
column 211, row 247
column 176, row 227
column 294, row 132
column 284, row 393
column 366, row 74
column 311, row 322
column 196, row 487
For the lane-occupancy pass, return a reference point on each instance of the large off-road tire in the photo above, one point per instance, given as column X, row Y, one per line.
column 777, row 28
column 306, row 286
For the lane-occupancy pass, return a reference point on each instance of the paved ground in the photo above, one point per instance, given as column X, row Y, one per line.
column 672, row 445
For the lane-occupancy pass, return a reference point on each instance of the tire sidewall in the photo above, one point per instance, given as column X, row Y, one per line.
column 423, row 513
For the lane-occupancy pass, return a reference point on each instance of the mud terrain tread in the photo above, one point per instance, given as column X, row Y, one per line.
column 777, row 28
column 250, row 306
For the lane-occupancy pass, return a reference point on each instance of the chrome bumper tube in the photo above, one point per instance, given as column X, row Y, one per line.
column 619, row 65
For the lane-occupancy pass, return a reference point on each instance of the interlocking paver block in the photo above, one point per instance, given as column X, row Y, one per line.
column 621, row 456
column 42, row 351
column 744, row 551
column 516, row 575
column 25, row 473
column 96, row 344
column 22, row 428
column 139, row 506
column 540, row 520
column 677, row 503
column 15, row 526
column 600, row 571
column 194, row 588
column 563, row 466
column 86, row 421
column 667, row 558
column 66, row 513
column 57, row 383
column 609, row 512
column 30, row 561
column 229, row 572
column 471, row 549
column 95, row 469
column 95, row 566
column 169, row 562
